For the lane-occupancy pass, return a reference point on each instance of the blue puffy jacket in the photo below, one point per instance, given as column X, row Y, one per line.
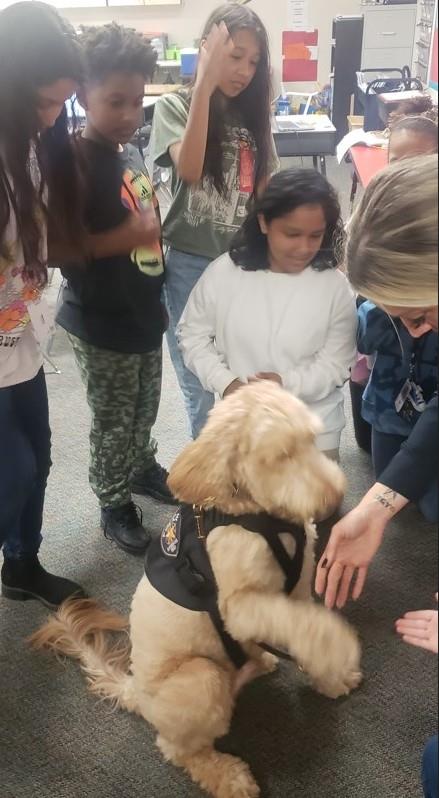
column 395, row 350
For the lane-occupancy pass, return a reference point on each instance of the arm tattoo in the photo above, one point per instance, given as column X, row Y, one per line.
column 387, row 499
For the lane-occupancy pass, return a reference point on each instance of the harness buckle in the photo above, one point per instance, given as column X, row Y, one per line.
column 198, row 515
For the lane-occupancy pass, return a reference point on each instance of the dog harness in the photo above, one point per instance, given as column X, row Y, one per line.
column 178, row 565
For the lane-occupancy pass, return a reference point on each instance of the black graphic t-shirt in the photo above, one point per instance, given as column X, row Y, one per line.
column 114, row 303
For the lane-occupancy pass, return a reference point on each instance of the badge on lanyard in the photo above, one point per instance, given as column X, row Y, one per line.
column 410, row 402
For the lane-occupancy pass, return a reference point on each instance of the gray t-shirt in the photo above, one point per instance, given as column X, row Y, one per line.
column 201, row 221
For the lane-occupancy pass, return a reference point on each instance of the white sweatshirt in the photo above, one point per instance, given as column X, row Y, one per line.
column 302, row 327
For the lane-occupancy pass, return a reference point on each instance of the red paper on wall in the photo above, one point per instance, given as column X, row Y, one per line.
column 299, row 55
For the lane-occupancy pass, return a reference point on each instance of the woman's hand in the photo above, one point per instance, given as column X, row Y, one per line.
column 353, row 544
column 420, row 629
column 266, row 375
column 213, row 52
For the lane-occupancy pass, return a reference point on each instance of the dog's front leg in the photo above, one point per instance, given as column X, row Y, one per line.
column 322, row 642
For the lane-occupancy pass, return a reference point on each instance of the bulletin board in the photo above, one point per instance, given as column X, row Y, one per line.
column 300, row 55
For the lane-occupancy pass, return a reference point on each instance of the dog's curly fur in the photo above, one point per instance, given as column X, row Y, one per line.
column 256, row 453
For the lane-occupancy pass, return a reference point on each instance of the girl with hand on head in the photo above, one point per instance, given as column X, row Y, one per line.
column 216, row 138
column 40, row 67
column 276, row 307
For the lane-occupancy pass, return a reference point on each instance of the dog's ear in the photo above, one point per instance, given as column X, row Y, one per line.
column 201, row 473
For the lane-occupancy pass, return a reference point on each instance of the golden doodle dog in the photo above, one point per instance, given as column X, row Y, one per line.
column 231, row 571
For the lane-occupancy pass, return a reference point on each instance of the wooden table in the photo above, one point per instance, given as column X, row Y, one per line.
column 367, row 162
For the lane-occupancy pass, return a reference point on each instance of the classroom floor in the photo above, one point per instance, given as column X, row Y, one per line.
column 58, row 741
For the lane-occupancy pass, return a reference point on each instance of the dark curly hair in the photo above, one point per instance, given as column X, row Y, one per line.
column 37, row 48
column 114, row 48
column 252, row 106
column 285, row 192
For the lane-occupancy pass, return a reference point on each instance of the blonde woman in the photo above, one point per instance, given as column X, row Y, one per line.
column 391, row 258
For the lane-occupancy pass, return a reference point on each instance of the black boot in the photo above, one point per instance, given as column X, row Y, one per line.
column 153, row 483
column 124, row 527
column 26, row 579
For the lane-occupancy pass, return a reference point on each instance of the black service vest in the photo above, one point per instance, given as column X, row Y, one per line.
column 178, row 566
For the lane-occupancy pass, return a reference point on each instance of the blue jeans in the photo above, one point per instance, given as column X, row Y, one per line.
column 384, row 449
column 430, row 769
column 182, row 273
column 24, row 465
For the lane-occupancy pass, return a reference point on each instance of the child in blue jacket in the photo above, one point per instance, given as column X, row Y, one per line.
column 403, row 381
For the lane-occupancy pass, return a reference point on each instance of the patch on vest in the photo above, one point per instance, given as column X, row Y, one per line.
column 171, row 536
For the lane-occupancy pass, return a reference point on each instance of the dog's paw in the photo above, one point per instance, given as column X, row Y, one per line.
column 237, row 780
column 269, row 663
column 335, row 668
column 338, row 687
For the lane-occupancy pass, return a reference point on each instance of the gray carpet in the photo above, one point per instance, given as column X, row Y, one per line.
column 57, row 741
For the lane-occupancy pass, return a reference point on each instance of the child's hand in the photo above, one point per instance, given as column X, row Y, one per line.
column 234, row 386
column 137, row 231
column 141, row 229
column 420, row 629
column 213, row 52
column 266, row 375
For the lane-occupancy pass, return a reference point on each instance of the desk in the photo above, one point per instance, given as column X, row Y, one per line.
column 367, row 162
column 312, row 135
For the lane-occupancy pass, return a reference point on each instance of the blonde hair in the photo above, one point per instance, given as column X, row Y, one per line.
column 391, row 251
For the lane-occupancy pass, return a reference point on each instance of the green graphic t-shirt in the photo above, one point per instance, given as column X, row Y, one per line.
column 201, row 221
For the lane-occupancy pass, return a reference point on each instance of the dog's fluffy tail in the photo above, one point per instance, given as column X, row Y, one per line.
column 83, row 630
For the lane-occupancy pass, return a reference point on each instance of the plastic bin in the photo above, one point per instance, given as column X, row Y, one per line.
column 189, row 61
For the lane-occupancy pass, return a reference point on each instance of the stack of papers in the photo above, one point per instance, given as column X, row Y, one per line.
column 360, row 137
column 315, row 122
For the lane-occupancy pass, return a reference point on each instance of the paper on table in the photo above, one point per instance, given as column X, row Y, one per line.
column 370, row 139
column 316, row 122
column 297, row 15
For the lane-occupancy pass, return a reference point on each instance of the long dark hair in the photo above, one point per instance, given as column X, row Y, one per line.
column 285, row 192
column 252, row 105
column 37, row 48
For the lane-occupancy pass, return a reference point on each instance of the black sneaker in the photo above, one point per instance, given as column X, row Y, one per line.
column 123, row 525
column 26, row 579
column 153, row 483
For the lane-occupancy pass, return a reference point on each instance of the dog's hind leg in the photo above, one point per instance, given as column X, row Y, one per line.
column 192, row 709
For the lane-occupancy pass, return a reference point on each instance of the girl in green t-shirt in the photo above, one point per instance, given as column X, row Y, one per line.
column 216, row 138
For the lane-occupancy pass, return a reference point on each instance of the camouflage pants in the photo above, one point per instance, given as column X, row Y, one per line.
column 123, row 393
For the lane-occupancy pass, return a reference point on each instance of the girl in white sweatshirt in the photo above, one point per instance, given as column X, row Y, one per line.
column 276, row 307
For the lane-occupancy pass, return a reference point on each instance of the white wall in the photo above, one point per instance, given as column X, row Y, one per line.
column 184, row 24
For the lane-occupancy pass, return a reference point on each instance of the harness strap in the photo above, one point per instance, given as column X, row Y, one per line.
column 233, row 649
column 291, row 566
column 204, row 585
